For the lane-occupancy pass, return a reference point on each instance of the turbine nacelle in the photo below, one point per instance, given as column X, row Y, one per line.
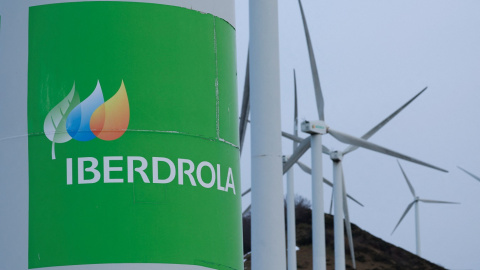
column 314, row 127
column 336, row 156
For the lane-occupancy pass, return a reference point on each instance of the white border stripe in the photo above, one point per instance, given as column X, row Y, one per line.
column 224, row 9
column 128, row 266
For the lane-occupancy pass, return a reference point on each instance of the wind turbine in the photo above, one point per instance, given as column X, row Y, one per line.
column 337, row 157
column 316, row 129
column 416, row 200
column 290, row 200
column 291, row 243
column 469, row 173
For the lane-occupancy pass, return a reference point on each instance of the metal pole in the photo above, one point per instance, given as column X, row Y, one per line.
column 13, row 139
column 417, row 228
column 268, row 229
column 291, row 237
column 291, row 234
column 339, row 238
column 318, row 216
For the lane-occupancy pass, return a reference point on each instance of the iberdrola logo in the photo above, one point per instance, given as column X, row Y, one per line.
column 92, row 118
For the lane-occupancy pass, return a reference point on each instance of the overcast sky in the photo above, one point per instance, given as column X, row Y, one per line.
column 372, row 57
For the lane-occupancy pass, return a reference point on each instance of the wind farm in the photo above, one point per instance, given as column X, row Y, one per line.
column 356, row 94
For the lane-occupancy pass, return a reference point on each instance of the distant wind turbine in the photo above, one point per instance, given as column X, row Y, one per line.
column 416, row 200
column 290, row 200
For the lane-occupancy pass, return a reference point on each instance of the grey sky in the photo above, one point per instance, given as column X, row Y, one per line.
column 372, row 57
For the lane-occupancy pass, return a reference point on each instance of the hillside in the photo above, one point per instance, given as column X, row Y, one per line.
column 370, row 252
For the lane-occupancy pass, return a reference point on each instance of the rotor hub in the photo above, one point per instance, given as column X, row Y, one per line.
column 336, row 155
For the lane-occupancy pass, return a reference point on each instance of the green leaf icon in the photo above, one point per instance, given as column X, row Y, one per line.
column 55, row 123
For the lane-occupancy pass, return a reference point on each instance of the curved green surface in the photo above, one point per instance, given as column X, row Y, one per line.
column 179, row 71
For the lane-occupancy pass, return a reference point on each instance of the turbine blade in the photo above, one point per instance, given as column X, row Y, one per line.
column 327, row 182
column 297, row 154
column 345, row 191
column 348, row 139
column 307, row 169
column 313, row 66
column 355, row 200
column 469, row 173
column 245, row 106
column 371, row 132
column 404, row 213
column 246, row 192
column 292, row 137
column 348, row 226
column 331, row 202
column 295, row 113
column 246, row 209
column 408, row 182
column 434, row 201
column 304, row 167
column 295, row 138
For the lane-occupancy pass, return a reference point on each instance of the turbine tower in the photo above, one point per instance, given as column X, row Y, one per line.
column 268, row 230
column 416, row 200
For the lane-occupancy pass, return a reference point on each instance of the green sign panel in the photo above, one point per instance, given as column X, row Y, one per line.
column 133, row 157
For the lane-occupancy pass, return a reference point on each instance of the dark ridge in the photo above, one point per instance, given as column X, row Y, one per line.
column 371, row 252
